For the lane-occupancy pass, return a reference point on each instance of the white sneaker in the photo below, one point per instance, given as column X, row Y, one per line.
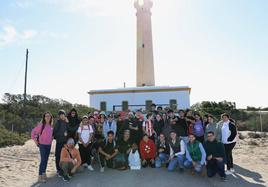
column 228, row 172
column 232, row 170
column 101, row 170
column 90, row 168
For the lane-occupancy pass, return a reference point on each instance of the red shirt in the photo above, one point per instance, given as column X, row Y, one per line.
column 147, row 149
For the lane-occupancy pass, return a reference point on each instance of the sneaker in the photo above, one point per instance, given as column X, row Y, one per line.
column 232, row 170
column 41, row 179
column 223, row 179
column 85, row 165
column 228, row 172
column 66, row 178
column 59, row 173
column 101, row 169
column 90, row 168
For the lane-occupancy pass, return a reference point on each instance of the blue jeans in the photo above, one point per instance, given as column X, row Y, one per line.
column 175, row 162
column 198, row 168
column 214, row 167
column 44, row 154
column 162, row 158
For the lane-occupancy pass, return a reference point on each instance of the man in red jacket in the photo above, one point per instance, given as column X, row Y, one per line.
column 147, row 149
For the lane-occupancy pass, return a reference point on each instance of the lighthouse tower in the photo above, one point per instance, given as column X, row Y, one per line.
column 145, row 57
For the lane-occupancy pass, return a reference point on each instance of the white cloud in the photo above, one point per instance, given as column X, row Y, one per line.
column 10, row 35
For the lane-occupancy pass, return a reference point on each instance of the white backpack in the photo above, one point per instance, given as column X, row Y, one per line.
column 134, row 160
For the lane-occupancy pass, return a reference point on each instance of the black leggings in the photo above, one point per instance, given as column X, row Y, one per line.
column 229, row 155
column 85, row 153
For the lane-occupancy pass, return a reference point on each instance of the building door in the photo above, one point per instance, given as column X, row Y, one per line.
column 124, row 105
column 148, row 104
column 103, row 106
column 173, row 104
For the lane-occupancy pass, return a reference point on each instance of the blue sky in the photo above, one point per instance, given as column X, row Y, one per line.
column 219, row 48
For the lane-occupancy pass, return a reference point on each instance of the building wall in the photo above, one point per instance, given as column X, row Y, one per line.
column 182, row 97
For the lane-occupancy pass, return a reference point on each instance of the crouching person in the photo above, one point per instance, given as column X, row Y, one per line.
column 177, row 152
column 147, row 150
column 70, row 160
column 163, row 151
column 215, row 156
column 195, row 155
column 107, row 151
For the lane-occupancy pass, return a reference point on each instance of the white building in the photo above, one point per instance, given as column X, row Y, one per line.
column 146, row 92
column 140, row 97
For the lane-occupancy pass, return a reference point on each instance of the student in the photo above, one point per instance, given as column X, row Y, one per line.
column 124, row 146
column 148, row 127
column 109, row 125
column 158, row 124
column 211, row 127
column 42, row 136
column 135, row 128
column 163, row 151
column 228, row 138
column 73, row 124
column 215, row 156
column 147, row 150
column 181, row 127
column 85, row 134
column 123, row 124
column 70, row 159
column 177, row 152
column 60, row 135
column 195, row 155
column 108, row 151
column 198, row 128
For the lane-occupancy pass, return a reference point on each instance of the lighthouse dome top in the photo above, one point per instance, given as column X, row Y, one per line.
column 143, row 4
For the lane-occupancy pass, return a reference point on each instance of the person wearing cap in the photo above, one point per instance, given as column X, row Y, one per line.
column 85, row 134
column 177, row 152
column 109, row 125
column 70, row 160
column 147, row 151
column 60, row 135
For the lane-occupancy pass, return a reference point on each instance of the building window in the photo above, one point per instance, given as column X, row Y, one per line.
column 124, row 105
column 173, row 104
column 103, row 106
column 148, row 104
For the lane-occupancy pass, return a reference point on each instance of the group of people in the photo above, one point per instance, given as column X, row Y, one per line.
column 132, row 140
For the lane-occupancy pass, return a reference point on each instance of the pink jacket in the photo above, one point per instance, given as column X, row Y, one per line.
column 46, row 137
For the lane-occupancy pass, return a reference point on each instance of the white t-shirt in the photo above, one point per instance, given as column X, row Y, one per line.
column 86, row 132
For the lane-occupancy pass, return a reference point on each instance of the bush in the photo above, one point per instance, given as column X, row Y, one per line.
column 8, row 138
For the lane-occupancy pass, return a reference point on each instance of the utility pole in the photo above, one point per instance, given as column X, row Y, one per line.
column 261, row 119
column 25, row 80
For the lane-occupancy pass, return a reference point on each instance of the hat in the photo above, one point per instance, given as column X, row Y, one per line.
column 96, row 113
column 61, row 112
column 84, row 117
column 70, row 141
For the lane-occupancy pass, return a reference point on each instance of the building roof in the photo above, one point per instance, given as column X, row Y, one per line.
column 141, row 89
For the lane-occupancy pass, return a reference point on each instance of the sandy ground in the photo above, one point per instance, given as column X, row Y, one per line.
column 19, row 167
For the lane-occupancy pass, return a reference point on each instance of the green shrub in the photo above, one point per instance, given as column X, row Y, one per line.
column 8, row 138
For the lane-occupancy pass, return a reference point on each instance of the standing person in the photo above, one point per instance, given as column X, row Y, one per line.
column 228, row 138
column 158, row 124
column 205, row 120
column 135, row 128
column 85, row 135
column 148, row 127
column 163, row 151
column 70, row 159
column 195, row 155
column 108, row 151
column 60, row 135
column 109, row 125
column 215, row 157
column 99, row 128
column 177, row 152
column 73, row 124
column 147, row 151
column 122, row 124
column 181, row 127
column 198, row 128
column 42, row 136
column 211, row 127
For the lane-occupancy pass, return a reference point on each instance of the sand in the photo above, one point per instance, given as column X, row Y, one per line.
column 19, row 164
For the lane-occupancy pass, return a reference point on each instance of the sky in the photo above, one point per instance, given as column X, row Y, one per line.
column 218, row 48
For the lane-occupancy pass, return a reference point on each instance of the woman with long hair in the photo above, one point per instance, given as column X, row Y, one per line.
column 42, row 136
